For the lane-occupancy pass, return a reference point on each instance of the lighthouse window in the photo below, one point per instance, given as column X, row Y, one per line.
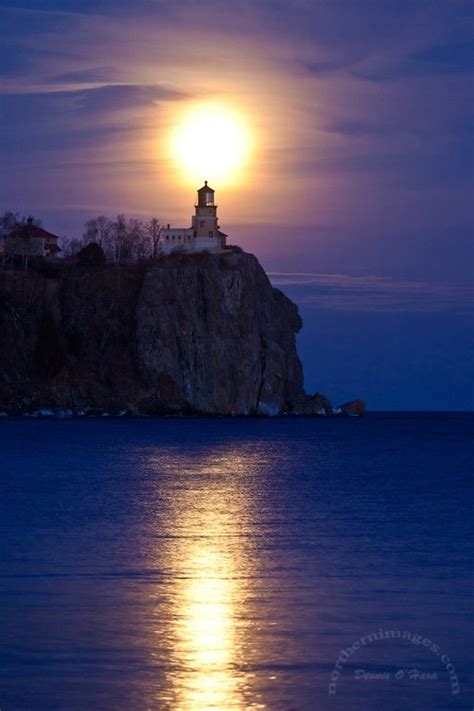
column 209, row 199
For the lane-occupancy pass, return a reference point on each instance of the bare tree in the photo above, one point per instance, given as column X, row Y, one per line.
column 123, row 240
column 154, row 229
column 11, row 221
column 72, row 247
column 139, row 243
column 98, row 230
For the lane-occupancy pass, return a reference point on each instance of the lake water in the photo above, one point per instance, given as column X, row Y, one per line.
column 226, row 564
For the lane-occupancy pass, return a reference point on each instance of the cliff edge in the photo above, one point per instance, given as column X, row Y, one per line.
column 204, row 334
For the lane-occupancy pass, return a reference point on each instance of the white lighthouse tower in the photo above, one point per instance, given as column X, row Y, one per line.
column 204, row 233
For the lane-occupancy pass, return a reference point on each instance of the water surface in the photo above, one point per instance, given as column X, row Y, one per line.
column 225, row 564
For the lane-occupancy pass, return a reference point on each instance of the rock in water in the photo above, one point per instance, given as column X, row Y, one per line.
column 316, row 404
column 354, row 408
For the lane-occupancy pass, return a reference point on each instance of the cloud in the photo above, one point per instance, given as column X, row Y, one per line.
column 323, row 67
column 87, row 76
column 440, row 59
column 62, row 116
column 340, row 292
column 454, row 58
column 360, row 128
column 59, row 8
column 114, row 97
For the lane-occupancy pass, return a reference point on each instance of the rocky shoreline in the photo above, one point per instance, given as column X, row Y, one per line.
column 45, row 413
column 186, row 335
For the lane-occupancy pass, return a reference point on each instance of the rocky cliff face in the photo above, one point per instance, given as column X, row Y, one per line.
column 197, row 334
column 216, row 337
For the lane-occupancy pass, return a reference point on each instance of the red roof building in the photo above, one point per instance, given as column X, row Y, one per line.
column 33, row 240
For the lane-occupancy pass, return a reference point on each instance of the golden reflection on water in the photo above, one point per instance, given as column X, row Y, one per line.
column 211, row 568
column 206, row 634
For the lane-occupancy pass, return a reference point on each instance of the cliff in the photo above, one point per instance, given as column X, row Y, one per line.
column 189, row 334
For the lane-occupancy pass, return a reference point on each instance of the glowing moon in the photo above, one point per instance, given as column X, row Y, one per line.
column 211, row 142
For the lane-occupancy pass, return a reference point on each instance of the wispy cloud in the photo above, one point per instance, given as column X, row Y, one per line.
column 439, row 59
column 87, row 76
column 117, row 96
column 341, row 292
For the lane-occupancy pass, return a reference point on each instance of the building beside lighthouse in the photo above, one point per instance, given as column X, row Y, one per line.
column 204, row 233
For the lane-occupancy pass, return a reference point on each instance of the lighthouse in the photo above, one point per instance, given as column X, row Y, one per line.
column 205, row 219
column 204, row 233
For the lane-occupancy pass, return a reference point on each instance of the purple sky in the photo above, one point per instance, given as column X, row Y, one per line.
column 358, row 200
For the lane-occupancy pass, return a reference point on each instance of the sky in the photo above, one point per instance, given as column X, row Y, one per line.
column 357, row 193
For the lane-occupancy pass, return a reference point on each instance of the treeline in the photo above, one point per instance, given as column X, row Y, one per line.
column 122, row 239
column 11, row 221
